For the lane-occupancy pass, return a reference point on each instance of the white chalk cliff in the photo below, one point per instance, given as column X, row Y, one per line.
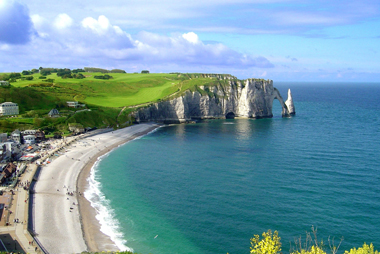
column 251, row 98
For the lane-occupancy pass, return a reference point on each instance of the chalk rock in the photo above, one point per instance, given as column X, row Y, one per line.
column 290, row 105
column 251, row 98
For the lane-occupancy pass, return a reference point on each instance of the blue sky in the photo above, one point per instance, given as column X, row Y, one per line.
column 283, row 40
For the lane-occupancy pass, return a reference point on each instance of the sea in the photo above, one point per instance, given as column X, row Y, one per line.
column 210, row 187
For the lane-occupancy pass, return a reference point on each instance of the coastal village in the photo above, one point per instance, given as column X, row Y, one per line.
column 26, row 156
column 21, row 154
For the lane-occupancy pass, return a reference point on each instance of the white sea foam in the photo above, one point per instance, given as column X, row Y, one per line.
column 109, row 225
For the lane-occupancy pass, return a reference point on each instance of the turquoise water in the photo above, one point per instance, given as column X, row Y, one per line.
column 209, row 187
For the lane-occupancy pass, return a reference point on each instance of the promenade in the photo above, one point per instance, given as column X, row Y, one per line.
column 15, row 235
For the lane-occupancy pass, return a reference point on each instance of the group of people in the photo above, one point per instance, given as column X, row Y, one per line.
column 17, row 221
column 25, row 185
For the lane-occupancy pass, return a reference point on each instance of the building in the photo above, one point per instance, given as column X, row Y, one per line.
column 28, row 132
column 4, row 83
column 13, row 150
column 8, row 171
column 40, row 135
column 3, row 151
column 8, row 109
column 54, row 112
column 74, row 104
column 3, row 137
column 16, row 136
column 29, row 139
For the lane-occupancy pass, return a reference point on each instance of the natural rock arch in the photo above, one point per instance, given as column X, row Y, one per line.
column 276, row 95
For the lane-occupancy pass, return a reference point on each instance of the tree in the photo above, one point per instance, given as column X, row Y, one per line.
column 270, row 244
column 26, row 72
column 45, row 72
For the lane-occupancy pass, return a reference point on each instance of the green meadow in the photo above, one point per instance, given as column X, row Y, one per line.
column 109, row 102
column 120, row 91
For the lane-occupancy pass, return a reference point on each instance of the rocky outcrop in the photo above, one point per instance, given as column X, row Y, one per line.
column 290, row 105
column 251, row 98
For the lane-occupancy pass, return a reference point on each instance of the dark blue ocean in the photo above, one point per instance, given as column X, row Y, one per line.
column 209, row 187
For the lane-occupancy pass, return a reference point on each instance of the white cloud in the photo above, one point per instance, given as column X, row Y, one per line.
column 98, row 39
column 100, row 26
column 37, row 20
column 63, row 21
column 191, row 37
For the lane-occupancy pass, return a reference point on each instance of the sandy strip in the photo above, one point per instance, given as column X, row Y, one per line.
column 63, row 225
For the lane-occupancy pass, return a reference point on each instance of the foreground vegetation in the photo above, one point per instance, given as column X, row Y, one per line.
column 271, row 244
column 109, row 95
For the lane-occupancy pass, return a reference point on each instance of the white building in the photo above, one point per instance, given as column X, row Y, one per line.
column 28, row 132
column 8, row 109
column 11, row 148
column 72, row 104
column 75, row 104
column 4, row 83
column 29, row 139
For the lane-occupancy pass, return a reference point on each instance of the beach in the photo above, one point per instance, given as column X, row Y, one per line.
column 63, row 218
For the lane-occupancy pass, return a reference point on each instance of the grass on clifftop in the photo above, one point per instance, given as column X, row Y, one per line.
column 109, row 101
column 121, row 90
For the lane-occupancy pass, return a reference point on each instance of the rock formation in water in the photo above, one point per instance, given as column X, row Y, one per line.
column 251, row 98
column 290, row 105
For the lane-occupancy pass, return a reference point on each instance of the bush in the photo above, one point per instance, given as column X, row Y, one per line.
column 106, row 76
column 270, row 244
column 45, row 72
column 366, row 249
column 26, row 73
column 77, row 70
column 79, row 76
column 64, row 73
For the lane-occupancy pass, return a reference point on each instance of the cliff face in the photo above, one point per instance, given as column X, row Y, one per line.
column 249, row 99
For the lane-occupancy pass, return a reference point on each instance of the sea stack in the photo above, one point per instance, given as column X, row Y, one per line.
column 290, row 105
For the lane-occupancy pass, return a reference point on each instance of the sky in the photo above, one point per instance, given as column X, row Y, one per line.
column 282, row 40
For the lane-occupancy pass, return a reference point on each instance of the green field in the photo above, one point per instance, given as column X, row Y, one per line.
column 122, row 90
column 106, row 98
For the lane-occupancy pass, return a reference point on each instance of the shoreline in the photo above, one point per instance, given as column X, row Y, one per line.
column 63, row 219
column 94, row 238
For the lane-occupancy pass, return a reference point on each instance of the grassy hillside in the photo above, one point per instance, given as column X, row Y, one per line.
column 122, row 90
column 108, row 96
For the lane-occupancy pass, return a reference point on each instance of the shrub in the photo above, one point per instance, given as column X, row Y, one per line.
column 366, row 249
column 270, row 244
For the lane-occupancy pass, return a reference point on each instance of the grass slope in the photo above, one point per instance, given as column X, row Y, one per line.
column 105, row 99
column 122, row 90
